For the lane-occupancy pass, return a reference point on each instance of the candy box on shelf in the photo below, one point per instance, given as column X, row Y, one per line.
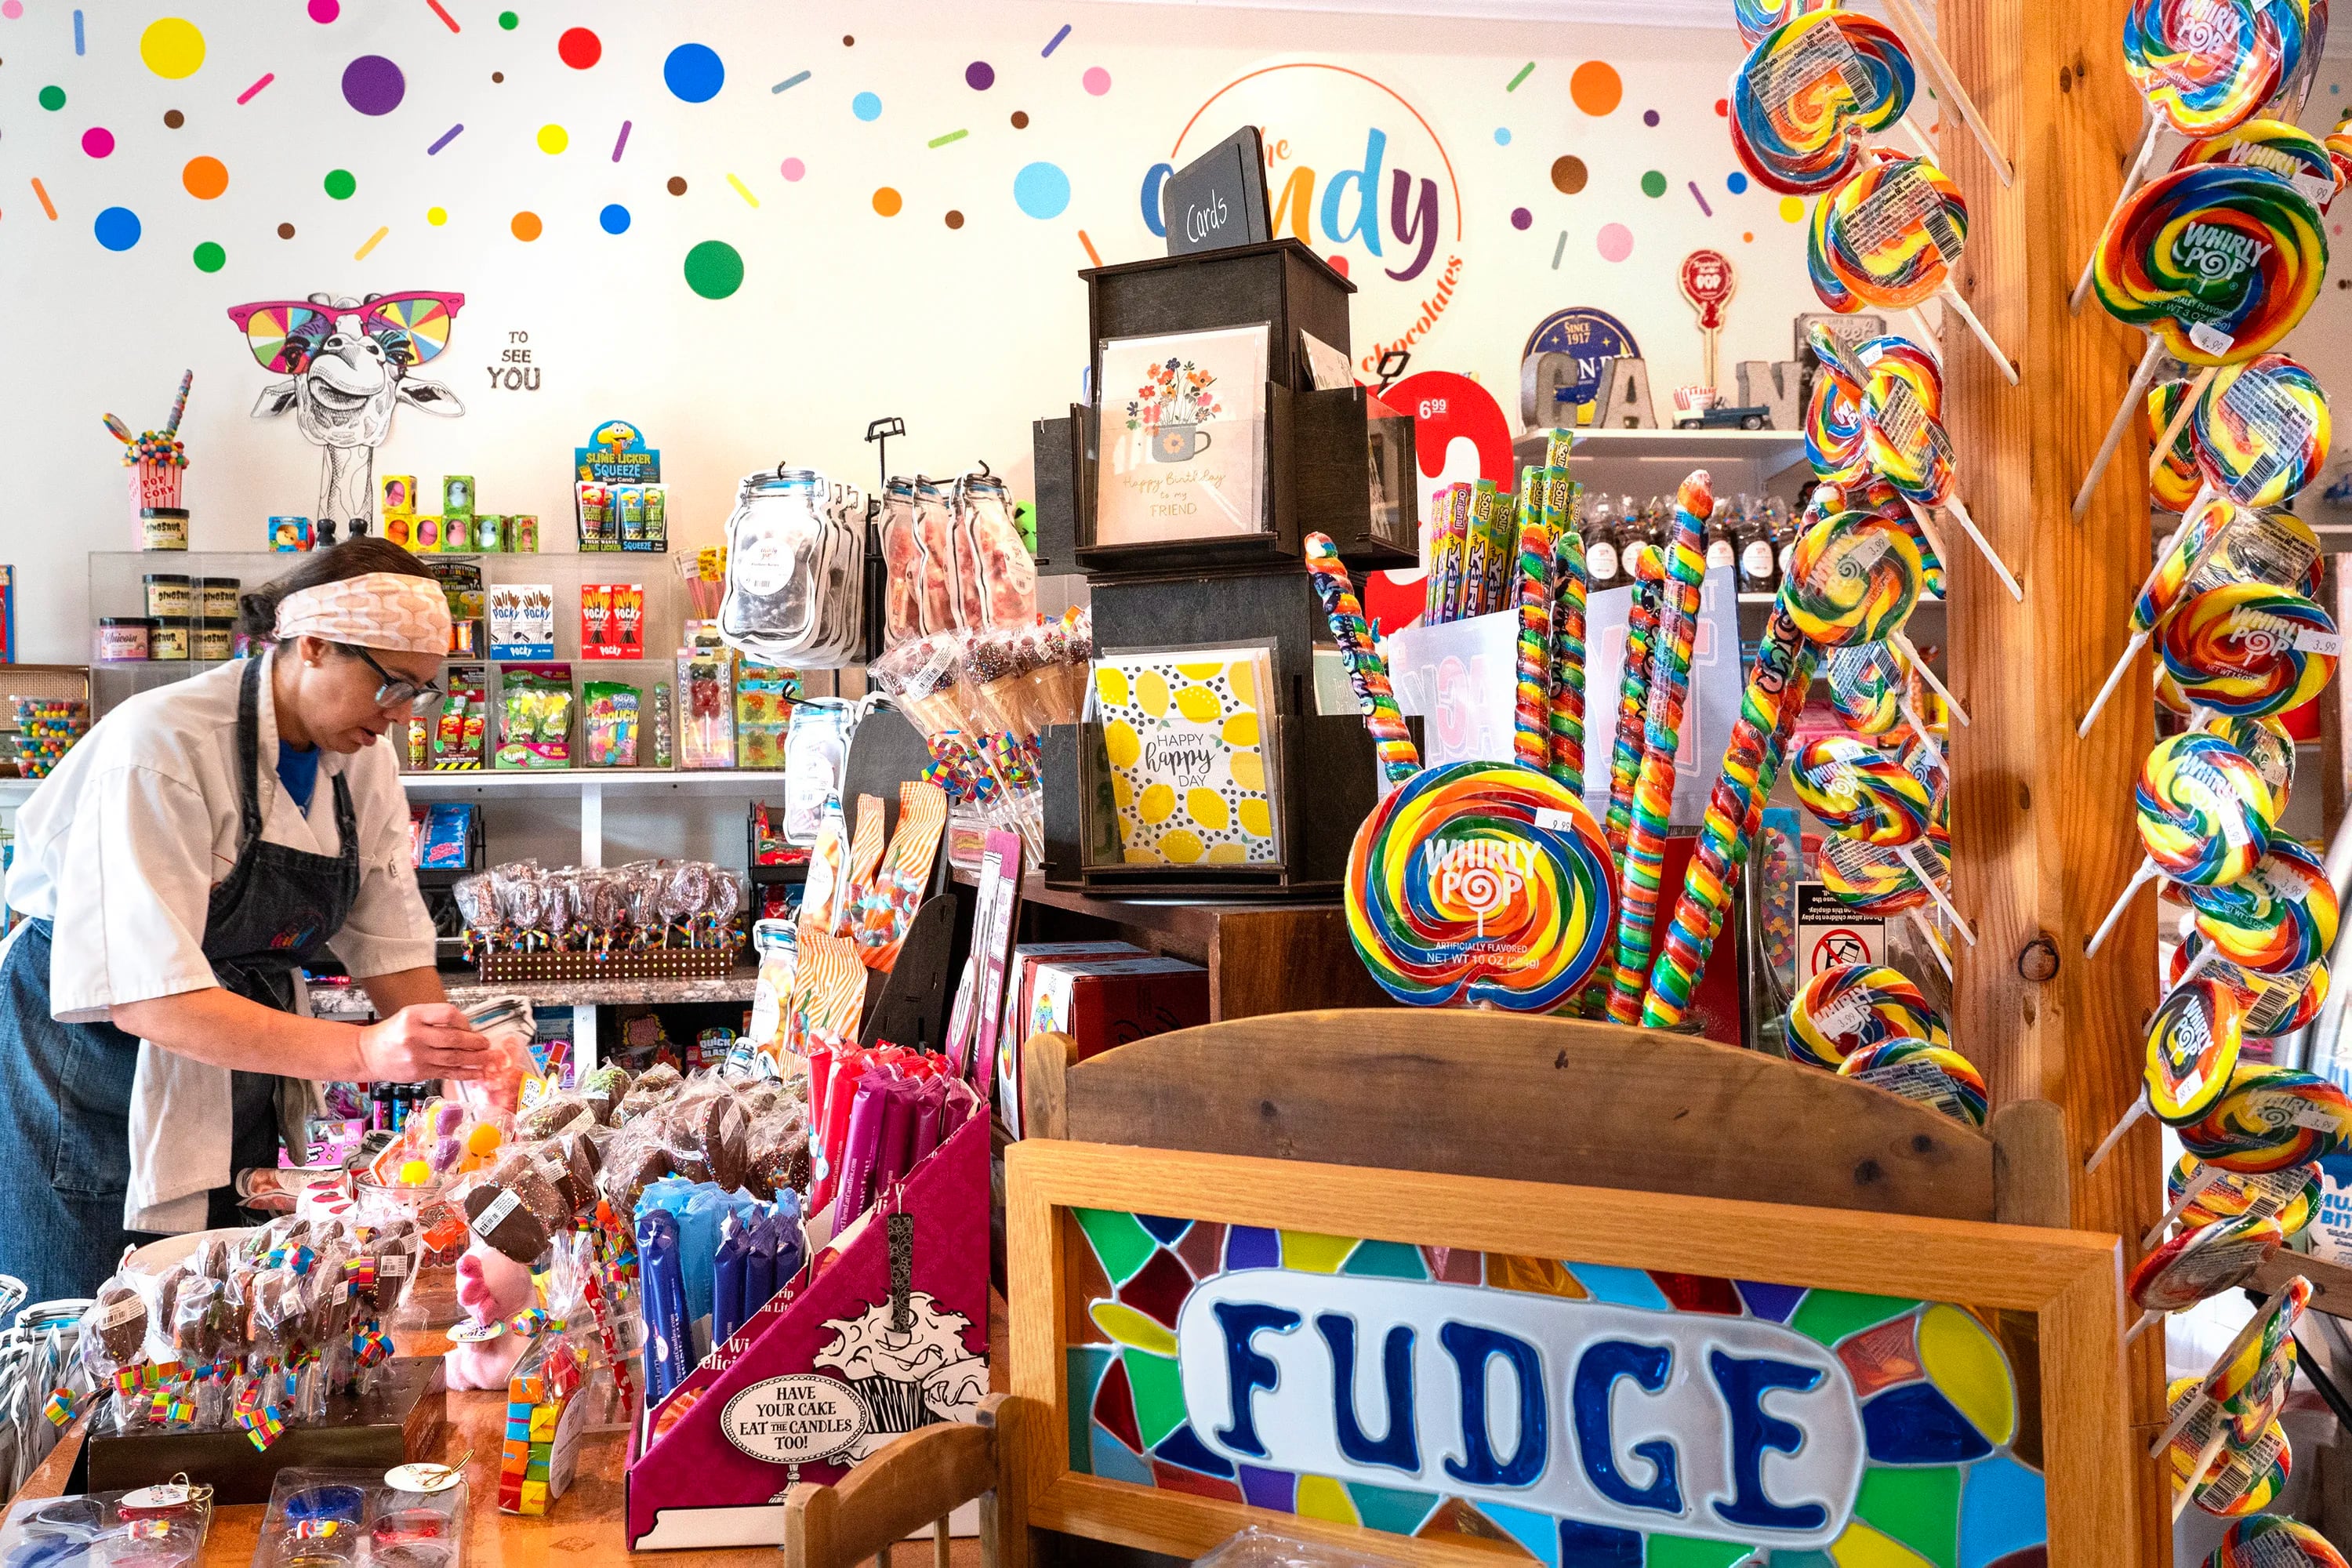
column 1020, row 991
column 1104, row 1001
column 286, row 535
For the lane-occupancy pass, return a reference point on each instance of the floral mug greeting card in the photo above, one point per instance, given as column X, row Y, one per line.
column 1183, row 421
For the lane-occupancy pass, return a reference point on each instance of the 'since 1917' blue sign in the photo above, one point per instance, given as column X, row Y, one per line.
column 1719, row 1428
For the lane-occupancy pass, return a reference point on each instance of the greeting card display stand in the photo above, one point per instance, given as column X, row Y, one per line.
column 890, row 1334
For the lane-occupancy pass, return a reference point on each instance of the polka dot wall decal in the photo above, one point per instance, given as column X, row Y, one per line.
column 373, row 85
column 1791, row 210
column 1097, row 81
column 526, row 227
column 1041, row 190
column 847, row 41
column 1020, row 120
column 497, row 76
column 954, row 218
column 553, row 139
column 98, row 141
column 436, row 216
column 614, row 219
column 508, row 20
column 1339, row 263
column 204, row 178
column 12, row 9
column 1653, row 183
column 339, row 185
column 1615, row 242
column 579, row 48
column 209, row 257
column 693, row 72
column 1748, row 237
column 174, row 120
column 677, row 186
column 285, row 231
column 714, row 270
column 1735, row 183
column 1650, row 117
column 1595, row 87
column 866, row 106
column 888, row 202
column 53, row 99
column 172, row 47
column 1567, row 174
column 1502, row 135
column 791, row 168
column 980, row 76
column 1521, row 218
column 321, row 12
column 117, row 228
column 1723, row 108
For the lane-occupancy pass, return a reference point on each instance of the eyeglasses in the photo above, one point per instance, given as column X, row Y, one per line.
column 285, row 334
column 398, row 691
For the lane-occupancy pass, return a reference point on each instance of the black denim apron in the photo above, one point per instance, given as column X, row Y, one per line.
column 65, row 1088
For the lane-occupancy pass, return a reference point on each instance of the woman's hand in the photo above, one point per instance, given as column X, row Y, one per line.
column 427, row 1041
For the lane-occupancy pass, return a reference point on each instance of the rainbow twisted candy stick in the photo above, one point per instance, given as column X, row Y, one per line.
column 2278, row 918
column 2262, row 431
column 1569, row 585
column 1532, row 727
column 1805, row 90
column 1633, row 692
column 1653, row 789
column 1479, row 883
column 2249, row 649
column 1776, row 690
column 2205, row 815
column 1368, row 672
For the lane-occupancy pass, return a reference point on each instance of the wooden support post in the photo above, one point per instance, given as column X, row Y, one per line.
column 2041, row 823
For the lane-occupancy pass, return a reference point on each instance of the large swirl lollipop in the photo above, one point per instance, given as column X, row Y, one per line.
column 2193, row 1043
column 1859, row 793
column 1854, row 577
column 1904, row 438
column 1808, row 89
column 2249, row 649
column 1888, row 239
column 2260, row 430
column 2275, row 1004
column 2270, row 1117
column 2218, row 543
column 2277, row 919
column 2199, row 1194
column 1480, row 883
column 1848, row 1006
column 2217, row 262
column 1934, row 1075
column 1868, row 690
column 2205, row 815
column 1654, row 787
column 2203, row 68
column 2244, row 1389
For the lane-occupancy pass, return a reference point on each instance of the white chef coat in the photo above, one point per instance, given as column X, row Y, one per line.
column 119, row 849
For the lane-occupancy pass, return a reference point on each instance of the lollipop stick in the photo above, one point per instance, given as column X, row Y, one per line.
column 1899, row 640
column 2180, row 417
column 2114, row 678
column 1926, row 148
column 1919, row 728
column 2146, row 1319
column 1958, row 508
column 2196, row 1471
column 2138, row 389
column 1923, row 47
column 1910, row 857
column 2146, row 873
column 1951, row 296
column 2205, row 955
column 2131, row 184
column 2205, row 1177
column 1935, row 943
column 2115, row 1135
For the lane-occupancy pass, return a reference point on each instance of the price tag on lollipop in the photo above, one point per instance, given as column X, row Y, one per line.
column 1708, row 283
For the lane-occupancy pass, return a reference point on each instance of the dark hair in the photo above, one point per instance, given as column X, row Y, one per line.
column 257, row 613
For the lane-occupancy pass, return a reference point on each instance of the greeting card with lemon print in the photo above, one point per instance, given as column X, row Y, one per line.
column 1184, row 735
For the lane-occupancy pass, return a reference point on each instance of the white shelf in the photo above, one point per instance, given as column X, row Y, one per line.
column 611, row 781
column 739, row 986
column 1774, row 449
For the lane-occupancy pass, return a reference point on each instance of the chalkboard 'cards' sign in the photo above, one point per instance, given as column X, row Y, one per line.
column 1218, row 200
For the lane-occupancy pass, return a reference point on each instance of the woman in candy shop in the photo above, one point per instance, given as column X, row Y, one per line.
column 200, row 846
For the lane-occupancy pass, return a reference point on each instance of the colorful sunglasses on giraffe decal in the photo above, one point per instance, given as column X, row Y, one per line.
column 284, row 334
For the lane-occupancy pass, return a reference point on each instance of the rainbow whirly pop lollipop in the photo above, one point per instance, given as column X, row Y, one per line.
column 2244, row 1390
column 2199, row 1195
column 1933, row 1075
column 1867, row 688
column 1834, row 443
column 1902, row 402
column 2217, row 263
column 1888, row 239
column 2268, row 1118
column 1848, row 1006
column 2269, row 1541
column 2203, row 67
column 2173, row 481
column 2193, row 1043
column 2260, row 430
column 1880, row 882
column 2286, row 149
column 2205, row 815
column 2218, row 543
column 1808, row 90
column 1859, row 793
column 1854, row 577
column 2278, row 919
column 2249, row 649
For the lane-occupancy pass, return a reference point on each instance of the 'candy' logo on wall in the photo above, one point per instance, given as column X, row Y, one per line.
column 1355, row 171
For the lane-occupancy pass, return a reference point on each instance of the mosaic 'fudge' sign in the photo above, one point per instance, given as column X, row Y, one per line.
column 1593, row 1415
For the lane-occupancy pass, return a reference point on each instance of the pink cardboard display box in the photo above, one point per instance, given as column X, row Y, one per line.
column 830, row 1370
